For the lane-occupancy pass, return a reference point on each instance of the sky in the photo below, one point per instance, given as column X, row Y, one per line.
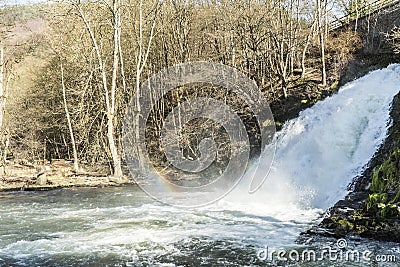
column 19, row 2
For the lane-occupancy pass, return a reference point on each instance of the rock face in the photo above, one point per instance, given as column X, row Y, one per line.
column 373, row 208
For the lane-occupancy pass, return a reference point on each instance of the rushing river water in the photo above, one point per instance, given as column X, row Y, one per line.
column 123, row 227
column 318, row 154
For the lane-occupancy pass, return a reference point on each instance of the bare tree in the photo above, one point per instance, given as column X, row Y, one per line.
column 394, row 38
column 109, row 47
column 2, row 105
column 309, row 37
column 2, row 71
column 141, row 59
column 109, row 94
column 321, row 39
column 71, row 132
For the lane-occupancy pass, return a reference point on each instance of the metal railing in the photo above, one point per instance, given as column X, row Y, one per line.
column 362, row 12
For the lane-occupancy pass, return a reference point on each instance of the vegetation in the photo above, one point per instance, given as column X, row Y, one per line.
column 394, row 39
column 72, row 67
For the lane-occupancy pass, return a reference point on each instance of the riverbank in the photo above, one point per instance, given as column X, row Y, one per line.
column 58, row 174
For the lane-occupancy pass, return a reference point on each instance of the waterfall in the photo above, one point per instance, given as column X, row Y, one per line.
column 321, row 151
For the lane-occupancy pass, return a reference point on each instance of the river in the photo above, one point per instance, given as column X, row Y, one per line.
column 318, row 154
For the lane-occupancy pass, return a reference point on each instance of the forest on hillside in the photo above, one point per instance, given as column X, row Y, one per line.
column 69, row 69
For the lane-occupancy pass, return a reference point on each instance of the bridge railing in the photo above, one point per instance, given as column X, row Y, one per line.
column 363, row 11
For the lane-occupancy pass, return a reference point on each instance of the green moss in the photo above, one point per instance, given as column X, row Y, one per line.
column 385, row 182
column 335, row 85
column 396, row 198
column 389, row 211
column 386, row 177
column 361, row 228
column 346, row 225
column 377, row 198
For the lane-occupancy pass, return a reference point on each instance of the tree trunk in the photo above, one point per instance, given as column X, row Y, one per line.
column 322, row 42
column 3, row 91
column 310, row 34
column 71, row 132
column 111, row 113
column 1, row 84
column 6, row 145
column 110, row 107
column 141, row 60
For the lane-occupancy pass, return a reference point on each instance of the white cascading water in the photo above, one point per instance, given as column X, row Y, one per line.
column 318, row 154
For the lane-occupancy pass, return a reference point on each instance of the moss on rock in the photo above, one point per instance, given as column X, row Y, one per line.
column 386, row 177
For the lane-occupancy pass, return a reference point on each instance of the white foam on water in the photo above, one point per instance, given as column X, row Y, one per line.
column 318, row 154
